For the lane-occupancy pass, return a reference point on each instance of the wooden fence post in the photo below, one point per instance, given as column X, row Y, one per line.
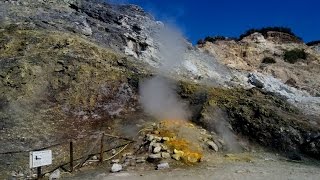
column 39, row 174
column 71, row 156
column 101, row 147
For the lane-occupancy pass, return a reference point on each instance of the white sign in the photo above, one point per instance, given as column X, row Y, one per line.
column 40, row 158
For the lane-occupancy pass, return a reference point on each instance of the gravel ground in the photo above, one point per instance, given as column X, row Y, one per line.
column 260, row 166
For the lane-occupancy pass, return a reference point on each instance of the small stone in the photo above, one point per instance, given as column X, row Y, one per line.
column 156, row 144
column 115, row 161
column 221, row 141
column 213, row 145
column 163, row 166
column 58, row 68
column 55, row 174
column 177, row 154
column 130, row 157
column 220, row 146
column 113, row 151
column 125, row 164
column 133, row 163
column 94, row 157
column 20, row 174
column 155, row 156
column 175, row 151
column 176, row 157
column 116, row 167
column 140, row 160
column 242, row 171
column 150, row 148
column 127, row 154
column 193, row 159
column 165, row 155
column 157, row 149
column 164, row 147
column 166, row 138
column 157, row 138
column 149, row 137
column 13, row 174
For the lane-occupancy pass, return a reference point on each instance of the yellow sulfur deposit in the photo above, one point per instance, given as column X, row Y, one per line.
column 183, row 148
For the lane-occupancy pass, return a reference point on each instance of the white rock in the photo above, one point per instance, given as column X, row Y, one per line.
column 155, row 156
column 94, row 157
column 165, row 155
column 213, row 145
column 113, row 151
column 115, row 161
column 164, row 147
column 55, row 174
column 116, row 167
column 140, row 160
column 149, row 137
column 163, row 166
column 157, row 149
column 13, row 174
column 20, row 174
column 157, row 138
column 299, row 98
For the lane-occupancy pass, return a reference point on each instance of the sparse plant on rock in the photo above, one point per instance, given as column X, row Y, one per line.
column 264, row 31
column 268, row 60
column 294, row 55
column 311, row 43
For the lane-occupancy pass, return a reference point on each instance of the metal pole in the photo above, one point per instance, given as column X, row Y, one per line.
column 101, row 148
column 71, row 156
column 39, row 176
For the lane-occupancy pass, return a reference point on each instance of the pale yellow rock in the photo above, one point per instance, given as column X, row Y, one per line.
column 176, row 157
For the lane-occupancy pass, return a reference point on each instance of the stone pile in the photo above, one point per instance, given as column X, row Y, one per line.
column 180, row 146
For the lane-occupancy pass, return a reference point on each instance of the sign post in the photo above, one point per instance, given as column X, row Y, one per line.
column 40, row 158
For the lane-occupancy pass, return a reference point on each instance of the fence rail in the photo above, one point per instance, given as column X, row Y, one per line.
column 89, row 152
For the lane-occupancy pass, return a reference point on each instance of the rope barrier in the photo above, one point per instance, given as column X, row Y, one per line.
column 58, row 144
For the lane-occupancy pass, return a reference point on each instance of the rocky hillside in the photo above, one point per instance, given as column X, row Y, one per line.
column 251, row 53
column 70, row 68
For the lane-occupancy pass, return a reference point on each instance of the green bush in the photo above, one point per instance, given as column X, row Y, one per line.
column 200, row 41
column 311, row 43
column 268, row 60
column 264, row 31
column 215, row 38
column 294, row 55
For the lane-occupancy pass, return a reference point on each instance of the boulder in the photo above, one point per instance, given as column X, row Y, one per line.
column 116, row 167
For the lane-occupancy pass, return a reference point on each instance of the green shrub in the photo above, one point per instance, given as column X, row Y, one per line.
column 200, row 41
column 214, row 38
column 268, row 60
column 311, row 43
column 264, row 31
column 294, row 55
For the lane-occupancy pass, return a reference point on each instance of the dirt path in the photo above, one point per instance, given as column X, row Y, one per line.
column 261, row 166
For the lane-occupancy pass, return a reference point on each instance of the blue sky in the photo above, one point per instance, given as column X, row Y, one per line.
column 200, row 18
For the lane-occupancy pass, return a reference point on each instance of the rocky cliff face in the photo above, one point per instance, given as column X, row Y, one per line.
column 68, row 68
column 297, row 82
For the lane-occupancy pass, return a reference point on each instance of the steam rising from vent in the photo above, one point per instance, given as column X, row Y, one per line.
column 159, row 99
column 172, row 48
column 157, row 95
column 218, row 122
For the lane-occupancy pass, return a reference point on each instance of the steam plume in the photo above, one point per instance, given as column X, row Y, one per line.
column 159, row 99
column 158, row 96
